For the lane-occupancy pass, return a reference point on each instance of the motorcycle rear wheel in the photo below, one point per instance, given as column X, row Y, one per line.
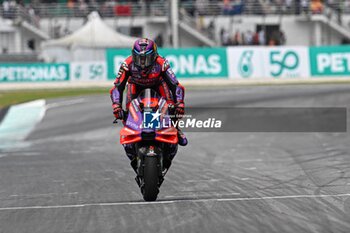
column 150, row 189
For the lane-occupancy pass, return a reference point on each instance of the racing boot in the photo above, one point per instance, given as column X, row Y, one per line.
column 182, row 138
column 170, row 151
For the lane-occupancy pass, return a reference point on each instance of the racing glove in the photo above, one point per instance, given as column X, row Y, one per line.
column 179, row 110
column 117, row 111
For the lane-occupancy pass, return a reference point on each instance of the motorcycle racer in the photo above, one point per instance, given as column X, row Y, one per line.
column 146, row 69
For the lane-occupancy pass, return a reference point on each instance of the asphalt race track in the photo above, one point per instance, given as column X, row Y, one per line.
column 71, row 175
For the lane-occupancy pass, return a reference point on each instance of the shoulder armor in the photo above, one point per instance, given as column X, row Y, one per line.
column 163, row 63
column 124, row 66
column 126, row 63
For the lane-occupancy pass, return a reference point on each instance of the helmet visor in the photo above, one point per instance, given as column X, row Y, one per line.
column 143, row 60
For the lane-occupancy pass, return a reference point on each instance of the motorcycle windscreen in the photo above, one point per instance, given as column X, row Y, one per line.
column 149, row 98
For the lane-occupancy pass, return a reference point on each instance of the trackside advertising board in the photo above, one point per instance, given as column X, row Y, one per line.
column 238, row 63
column 268, row 62
column 186, row 62
column 330, row 61
column 88, row 71
column 36, row 72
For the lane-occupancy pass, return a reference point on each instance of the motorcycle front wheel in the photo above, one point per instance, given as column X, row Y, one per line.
column 151, row 178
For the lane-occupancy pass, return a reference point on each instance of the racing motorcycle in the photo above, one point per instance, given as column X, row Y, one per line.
column 150, row 140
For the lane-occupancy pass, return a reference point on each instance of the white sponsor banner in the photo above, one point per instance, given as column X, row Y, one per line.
column 245, row 62
column 268, row 62
column 88, row 71
column 286, row 62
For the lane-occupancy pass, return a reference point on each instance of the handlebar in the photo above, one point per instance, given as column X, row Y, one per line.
column 171, row 108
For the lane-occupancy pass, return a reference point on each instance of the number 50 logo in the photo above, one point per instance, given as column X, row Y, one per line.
column 281, row 61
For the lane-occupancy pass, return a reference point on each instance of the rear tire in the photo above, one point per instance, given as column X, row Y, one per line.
column 150, row 189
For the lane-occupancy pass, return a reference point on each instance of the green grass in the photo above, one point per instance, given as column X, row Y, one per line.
column 20, row 96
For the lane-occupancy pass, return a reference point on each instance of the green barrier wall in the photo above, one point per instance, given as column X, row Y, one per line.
column 185, row 62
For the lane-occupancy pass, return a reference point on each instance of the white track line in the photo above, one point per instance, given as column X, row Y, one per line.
column 174, row 202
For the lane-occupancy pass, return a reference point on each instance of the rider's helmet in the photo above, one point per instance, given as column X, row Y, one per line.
column 144, row 53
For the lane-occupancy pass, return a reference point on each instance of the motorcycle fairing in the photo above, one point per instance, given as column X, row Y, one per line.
column 132, row 131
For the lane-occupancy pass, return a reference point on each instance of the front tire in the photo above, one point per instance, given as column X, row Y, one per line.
column 151, row 179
